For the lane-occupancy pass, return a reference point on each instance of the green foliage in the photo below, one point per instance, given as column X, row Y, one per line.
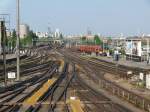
column 12, row 40
column 97, row 40
column 122, row 51
column 141, row 84
column 110, row 38
column 83, row 39
column 27, row 41
column 90, row 42
column 111, row 51
column 24, row 42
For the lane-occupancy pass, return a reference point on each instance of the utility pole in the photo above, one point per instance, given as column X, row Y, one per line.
column 18, row 38
column 103, row 45
column 0, row 37
column 3, row 38
column 147, row 50
column 131, row 49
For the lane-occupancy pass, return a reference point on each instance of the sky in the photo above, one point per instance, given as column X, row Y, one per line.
column 106, row 17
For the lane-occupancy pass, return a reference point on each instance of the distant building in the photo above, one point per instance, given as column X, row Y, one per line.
column 138, row 48
column 117, row 43
column 24, row 30
column 9, row 33
column 90, row 37
column 134, row 46
column 42, row 34
column 57, row 33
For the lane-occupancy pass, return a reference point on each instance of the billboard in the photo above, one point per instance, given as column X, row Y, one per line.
column 133, row 47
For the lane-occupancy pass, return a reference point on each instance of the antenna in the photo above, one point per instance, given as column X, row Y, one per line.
column 89, row 32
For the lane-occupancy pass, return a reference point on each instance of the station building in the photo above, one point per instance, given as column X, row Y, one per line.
column 138, row 48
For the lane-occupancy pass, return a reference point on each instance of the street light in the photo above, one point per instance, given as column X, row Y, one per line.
column 147, row 50
column 18, row 35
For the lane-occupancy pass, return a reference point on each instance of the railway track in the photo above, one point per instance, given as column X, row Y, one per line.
column 62, row 94
column 37, row 54
column 99, row 68
column 26, row 64
column 110, row 67
column 135, row 99
column 93, row 100
column 15, row 91
column 56, row 94
column 29, row 79
column 29, row 66
column 48, row 94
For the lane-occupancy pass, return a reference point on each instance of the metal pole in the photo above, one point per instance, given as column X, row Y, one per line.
column 0, row 37
column 18, row 35
column 4, row 53
column 131, row 48
column 103, row 45
column 147, row 51
column 3, row 35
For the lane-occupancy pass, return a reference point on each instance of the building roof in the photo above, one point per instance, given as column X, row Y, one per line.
column 134, row 38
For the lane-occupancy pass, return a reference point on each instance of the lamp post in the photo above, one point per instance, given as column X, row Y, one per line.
column 18, row 35
column 147, row 50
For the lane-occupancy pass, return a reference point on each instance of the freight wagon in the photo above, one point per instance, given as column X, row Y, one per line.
column 89, row 48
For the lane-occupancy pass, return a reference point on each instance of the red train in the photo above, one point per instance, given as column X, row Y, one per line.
column 89, row 48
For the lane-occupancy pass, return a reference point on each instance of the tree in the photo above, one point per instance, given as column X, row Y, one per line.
column 97, row 40
column 13, row 39
column 27, row 41
column 83, row 39
column 61, row 36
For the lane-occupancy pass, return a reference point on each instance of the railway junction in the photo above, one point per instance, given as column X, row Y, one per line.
column 50, row 77
column 65, row 69
column 63, row 80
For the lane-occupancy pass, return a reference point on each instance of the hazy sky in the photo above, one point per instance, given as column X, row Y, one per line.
column 107, row 17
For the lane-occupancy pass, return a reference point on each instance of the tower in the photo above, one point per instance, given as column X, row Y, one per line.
column 89, row 32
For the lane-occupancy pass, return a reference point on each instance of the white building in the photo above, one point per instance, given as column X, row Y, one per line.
column 134, row 46
column 138, row 48
column 24, row 30
column 57, row 33
column 42, row 34
column 9, row 33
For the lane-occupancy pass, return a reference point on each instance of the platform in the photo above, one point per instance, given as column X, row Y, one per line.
column 36, row 96
column 75, row 105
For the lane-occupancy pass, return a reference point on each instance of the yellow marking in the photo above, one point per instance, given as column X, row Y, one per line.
column 62, row 63
column 79, row 67
column 35, row 97
column 75, row 105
